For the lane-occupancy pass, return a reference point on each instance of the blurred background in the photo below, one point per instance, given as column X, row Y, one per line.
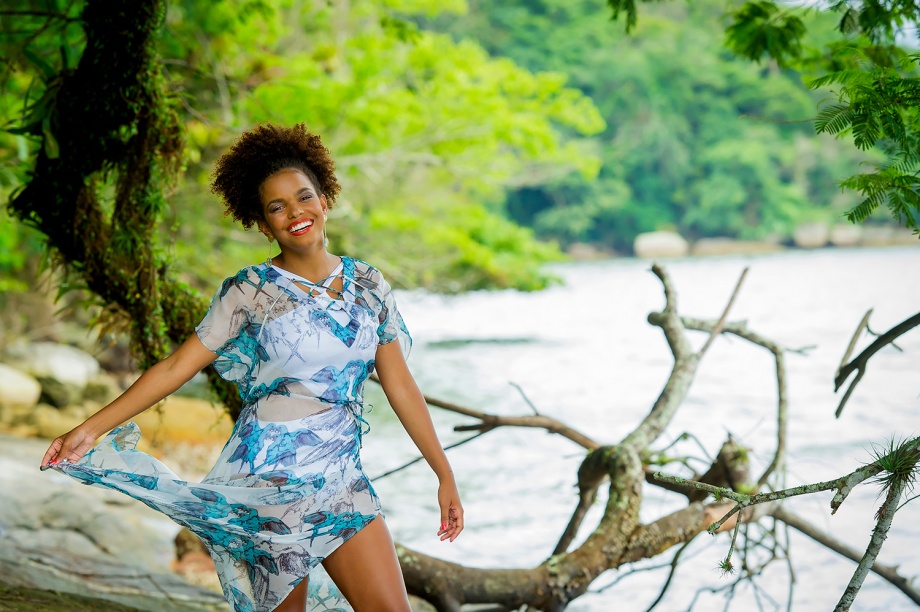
column 513, row 168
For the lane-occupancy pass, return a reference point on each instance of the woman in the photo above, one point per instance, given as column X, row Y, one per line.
column 299, row 335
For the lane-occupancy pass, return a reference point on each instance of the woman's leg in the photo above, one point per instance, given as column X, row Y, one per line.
column 366, row 570
column 297, row 600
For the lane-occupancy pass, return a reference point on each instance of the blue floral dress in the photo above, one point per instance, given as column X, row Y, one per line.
column 288, row 487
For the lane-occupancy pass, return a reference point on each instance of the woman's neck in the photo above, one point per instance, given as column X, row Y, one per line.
column 314, row 266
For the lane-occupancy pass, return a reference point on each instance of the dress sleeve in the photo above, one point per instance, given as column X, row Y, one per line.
column 224, row 318
column 391, row 325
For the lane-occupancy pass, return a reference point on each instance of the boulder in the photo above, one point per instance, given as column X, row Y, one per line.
column 57, row 534
column 50, row 422
column 811, row 235
column 17, row 387
column 730, row 246
column 62, row 370
column 584, row 251
column 102, row 388
column 652, row 245
column 846, row 235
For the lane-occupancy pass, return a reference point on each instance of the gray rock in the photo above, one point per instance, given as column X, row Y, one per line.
column 660, row 244
column 57, row 534
column 729, row 246
column 62, row 370
column 811, row 235
column 18, row 389
column 846, row 235
column 104, row 578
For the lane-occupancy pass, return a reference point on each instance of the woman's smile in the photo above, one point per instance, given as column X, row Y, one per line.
column 300, row 227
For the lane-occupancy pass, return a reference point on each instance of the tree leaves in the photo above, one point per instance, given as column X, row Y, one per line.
column 761, row 29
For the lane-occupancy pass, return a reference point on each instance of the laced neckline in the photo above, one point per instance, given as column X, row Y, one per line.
column 323, row 286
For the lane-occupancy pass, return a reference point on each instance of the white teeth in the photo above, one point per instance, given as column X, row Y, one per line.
column 300, row 226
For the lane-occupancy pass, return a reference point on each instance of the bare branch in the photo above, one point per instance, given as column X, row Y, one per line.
column 489, row 422
column 667, row 582
column 889, row 573
column 863, row 324
column 885, row 516
column 420, row 457
column 861, row 361
column 525, row 398
column 718, row 327
column 782, row 398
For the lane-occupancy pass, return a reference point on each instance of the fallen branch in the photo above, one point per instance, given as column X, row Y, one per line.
column 488, row 422
column 861, row 361
column 888, row 572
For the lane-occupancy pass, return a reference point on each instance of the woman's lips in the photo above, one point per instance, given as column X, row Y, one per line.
column 300, row 227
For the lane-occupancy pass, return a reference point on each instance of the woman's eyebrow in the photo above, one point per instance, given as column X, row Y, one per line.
column 299, row 191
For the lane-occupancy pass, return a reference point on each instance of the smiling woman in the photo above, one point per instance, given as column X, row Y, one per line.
column 299, row 335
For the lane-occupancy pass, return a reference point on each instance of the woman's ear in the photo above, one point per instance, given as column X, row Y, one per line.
column 324, row 204
column 263, row 228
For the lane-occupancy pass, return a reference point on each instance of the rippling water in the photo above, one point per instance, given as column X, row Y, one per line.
column 583, row 352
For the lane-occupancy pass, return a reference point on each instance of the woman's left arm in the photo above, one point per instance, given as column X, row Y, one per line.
column 410, row 406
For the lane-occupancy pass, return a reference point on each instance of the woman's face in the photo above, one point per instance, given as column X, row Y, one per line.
column 293, row 211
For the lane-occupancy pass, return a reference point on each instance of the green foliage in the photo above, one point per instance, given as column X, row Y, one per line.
column 874, row 79
column 392, row 102
column 422, row 128
column 696, row 140
column 900, row 462
column 762, row 29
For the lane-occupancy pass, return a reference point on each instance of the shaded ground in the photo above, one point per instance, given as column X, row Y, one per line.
column 14, row 599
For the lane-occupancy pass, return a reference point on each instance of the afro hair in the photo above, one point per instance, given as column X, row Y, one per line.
column 260, row 153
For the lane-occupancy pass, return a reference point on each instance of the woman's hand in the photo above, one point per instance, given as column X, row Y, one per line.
column 451, row 510
column 69, row 447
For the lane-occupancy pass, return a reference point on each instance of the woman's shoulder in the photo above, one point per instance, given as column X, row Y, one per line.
column 247, row 280
column 367, row 275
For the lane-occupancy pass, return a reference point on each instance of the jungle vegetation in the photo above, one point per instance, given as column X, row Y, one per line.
column 451, row 121
column 474, row 139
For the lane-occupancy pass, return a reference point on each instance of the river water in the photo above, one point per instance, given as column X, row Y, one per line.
column 582, row 352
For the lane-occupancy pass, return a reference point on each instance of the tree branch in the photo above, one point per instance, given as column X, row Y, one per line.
column 721, row 323
column 861, row 361
column 879, row 534
column 888, row 572
column 782, row 399
column 489, row 422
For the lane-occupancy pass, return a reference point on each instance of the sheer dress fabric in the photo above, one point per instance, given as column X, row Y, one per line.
column 288, row 487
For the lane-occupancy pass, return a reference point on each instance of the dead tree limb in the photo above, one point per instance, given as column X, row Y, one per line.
column 861, row 361
column 488, row 422
column 619, row 538
column 782, row 397
column 888, row 572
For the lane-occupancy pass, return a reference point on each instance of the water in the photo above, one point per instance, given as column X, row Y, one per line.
column 584, row 354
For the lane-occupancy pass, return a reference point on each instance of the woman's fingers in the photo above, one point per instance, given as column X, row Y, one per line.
column 51, row 453
column 70, row 447
column 451, row 522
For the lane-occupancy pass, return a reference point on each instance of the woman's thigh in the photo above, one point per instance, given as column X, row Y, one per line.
column 366, row 570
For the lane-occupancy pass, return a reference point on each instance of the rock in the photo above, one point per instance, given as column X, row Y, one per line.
column 57, row 534
column 185, row 419
column 18, row 388
column 583, row 251
column 874, row 235
column 811, row 235
column 905, row 237
column 846, row 235
column 50, row 422
column 63, row 371
column 729, row 246
column 660, row 244
column 102, row 388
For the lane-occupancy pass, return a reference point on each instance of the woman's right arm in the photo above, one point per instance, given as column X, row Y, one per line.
column 153, row 385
